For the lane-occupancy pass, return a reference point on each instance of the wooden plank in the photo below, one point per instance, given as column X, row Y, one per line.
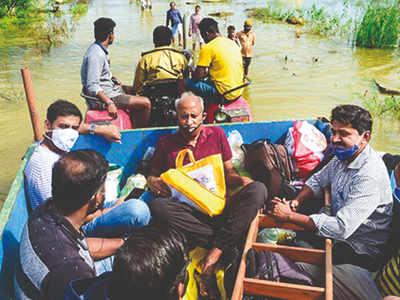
column 251, row 238
column 307, row 255
column 328, row 270
column 266, row 221
column 282, row 290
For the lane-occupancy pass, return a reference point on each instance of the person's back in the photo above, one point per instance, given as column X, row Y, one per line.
column 222, row 57
column 163, row 62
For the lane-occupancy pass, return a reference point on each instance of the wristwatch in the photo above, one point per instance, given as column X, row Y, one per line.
column 92, row 128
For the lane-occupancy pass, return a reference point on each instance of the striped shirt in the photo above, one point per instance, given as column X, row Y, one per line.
column 388, row 279
column 38, row 173
column 361, row 202
column 51, row 254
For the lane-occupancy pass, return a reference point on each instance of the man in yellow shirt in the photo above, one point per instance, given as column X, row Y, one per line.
column 247, row 39
column 161, row 63
column 219, row 60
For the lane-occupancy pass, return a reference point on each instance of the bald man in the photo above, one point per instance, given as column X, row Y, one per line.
column 222, row 233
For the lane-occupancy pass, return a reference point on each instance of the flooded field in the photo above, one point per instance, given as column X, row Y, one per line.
column 293, row 77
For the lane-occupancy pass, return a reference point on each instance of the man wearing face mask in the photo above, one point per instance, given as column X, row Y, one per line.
column 53, row 250
column 247, row 39
column 222, row 233
column 62, row 124
column 361, row 205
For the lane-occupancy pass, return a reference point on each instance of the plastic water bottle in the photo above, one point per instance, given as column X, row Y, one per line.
column 144, row 166
column 268, row 235
column 135, row 185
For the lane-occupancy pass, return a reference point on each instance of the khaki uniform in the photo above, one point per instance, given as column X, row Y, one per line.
column 158, row 64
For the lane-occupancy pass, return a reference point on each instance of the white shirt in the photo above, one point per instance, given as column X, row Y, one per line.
column 38, row 173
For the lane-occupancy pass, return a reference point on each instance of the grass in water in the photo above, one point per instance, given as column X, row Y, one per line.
column 383, row 106
column 380, row 26
column 79, row 9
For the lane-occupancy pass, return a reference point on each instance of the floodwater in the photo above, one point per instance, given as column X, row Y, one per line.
column 292, row 77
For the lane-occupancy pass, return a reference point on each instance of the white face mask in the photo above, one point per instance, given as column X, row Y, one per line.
column 64, row 139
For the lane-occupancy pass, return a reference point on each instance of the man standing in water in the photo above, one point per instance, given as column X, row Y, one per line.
column 194, row 30
column 174, row 16
column 97, row 80
column 247, row 39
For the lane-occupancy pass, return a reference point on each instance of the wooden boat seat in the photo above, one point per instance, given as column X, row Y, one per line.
column 281, row 290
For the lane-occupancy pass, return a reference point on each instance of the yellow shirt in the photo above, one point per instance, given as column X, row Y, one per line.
column 223, row 59
column 247, row 41
column 160, row 63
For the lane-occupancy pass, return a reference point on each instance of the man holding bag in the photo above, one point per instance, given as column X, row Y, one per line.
column 221, row 233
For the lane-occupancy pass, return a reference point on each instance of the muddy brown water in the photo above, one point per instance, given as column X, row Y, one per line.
column 292, row 77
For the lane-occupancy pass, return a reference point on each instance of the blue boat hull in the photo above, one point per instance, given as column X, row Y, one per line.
column 129, row 153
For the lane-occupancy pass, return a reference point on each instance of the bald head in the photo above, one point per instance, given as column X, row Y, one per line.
column 190, row 114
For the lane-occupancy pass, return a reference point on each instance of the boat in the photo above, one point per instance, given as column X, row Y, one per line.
column 128, row 154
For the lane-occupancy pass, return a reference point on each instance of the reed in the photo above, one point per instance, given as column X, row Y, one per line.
column 380, row 26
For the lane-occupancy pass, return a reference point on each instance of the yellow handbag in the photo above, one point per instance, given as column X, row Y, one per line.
column 200, row 183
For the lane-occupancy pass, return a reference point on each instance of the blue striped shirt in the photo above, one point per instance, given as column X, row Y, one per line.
column 361, row 202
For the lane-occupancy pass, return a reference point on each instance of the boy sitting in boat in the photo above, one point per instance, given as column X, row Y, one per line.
column 361, row 205
column 160, row 64
column 53, row 251
column 62, row 124
column 221, row 61
column 221, row 233
column 98, row 82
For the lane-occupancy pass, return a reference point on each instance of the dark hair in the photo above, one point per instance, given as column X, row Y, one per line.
column 148, row 265
column 76, row 177
column 231, row 27
column 162, row 36
column 62, row 108
column 197, row 6
column 356, row 116
column 208, row 25
column 102, row 28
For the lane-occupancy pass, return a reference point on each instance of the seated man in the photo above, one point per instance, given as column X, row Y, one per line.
column 53, row 250
column 221, row 61
column 221, row 233
column 97, row 80
column 62, row 125
column 353, row 282
column 163, row 62
column 151, row 265
column 361, row 206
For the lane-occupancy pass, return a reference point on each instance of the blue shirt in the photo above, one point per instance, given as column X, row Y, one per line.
column 361, row 202
column 174, row 16
column 96, row 73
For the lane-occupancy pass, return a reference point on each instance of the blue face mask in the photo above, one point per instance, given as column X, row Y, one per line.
column 395, row 188
column 343, row 153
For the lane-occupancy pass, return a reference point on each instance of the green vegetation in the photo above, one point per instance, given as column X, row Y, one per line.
column 79, row 9
column 316, row 19
column 383, row 106
column 16, row 8
column 380, row 26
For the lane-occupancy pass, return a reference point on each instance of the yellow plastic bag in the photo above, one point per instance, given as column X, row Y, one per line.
column 200, row 183
column 192, row 290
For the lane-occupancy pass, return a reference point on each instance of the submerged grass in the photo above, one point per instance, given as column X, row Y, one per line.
column 79, row 9
column 382, row 106
column 380, row 26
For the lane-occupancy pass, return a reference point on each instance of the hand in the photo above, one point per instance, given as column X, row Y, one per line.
column 109, row 132
column 158, row 187
column 280, row 209
column 112, row 110
column 246, row 180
